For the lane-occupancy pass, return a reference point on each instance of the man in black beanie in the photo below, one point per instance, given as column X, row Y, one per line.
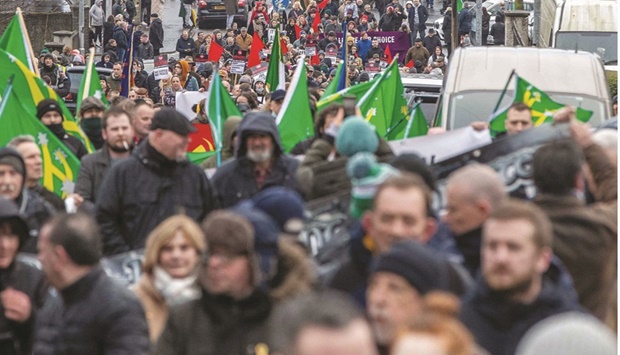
column 50, row 114
column 399, row 279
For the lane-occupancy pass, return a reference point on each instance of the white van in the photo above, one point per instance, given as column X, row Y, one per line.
column 587, row 25
column 477, row 76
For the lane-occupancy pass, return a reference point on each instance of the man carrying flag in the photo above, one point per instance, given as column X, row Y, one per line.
column 50, row 114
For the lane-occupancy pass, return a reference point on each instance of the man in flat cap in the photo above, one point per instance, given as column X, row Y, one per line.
column 156, row 182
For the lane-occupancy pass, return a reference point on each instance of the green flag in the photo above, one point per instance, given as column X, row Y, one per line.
column 220, row 106
column 275, row 72
column 459, row 5
column 295, row 118
column 358, row 91
column 384, row 105
column 413, row 126
column 90, row 85
column 32, row 89
column 332, row 88
column 15, row 41
column 60, row 165
column 542, row 106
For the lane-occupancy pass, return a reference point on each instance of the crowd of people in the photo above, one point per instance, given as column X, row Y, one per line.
column 225, row 269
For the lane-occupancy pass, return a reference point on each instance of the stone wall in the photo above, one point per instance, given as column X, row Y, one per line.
column 41, row 26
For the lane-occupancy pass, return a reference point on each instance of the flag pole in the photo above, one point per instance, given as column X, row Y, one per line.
column 218, row 110
column 22, row 24
column 501, row 96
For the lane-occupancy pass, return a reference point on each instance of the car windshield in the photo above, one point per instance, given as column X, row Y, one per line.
column 76, row 80
column 604, row 44
column 468, row 107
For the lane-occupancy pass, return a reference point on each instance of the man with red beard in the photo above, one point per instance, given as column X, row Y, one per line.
column 513, row 293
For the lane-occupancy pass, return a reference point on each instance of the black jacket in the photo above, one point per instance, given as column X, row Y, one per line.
column 447, row 26
column 235, row 180
column 422, row 17
column 156, row 34
column 92, row 170
column 216, row 325
column 140, row 192
column 498, row 324
column 17, row 338
column 121, row 38
column 95, row 315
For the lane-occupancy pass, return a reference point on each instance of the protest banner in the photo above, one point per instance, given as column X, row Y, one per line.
column 160, row 70
column 398, row 41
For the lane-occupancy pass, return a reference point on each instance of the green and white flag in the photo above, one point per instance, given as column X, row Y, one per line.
column 358, row 91
column 60, row 165
column 295, row 118
column 384, row 105
column 219, row 106
column 15, row 40
column 332, row 87
column 276, row 78
column 540, row 104
column 90, row 85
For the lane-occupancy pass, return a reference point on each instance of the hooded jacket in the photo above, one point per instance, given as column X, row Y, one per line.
column 35, row 210
column 498, row 324
column 235, row 180
column 23, row 278
column 228, row 151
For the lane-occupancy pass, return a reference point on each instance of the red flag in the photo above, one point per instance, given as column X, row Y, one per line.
column 257, row 46
column 387, row 54
column 297, row 32
column 316, row 22
column 409, row 64
column 283, row 46
column 314, row 60
column 322, row 5
column 215, row 52
column 201, row 140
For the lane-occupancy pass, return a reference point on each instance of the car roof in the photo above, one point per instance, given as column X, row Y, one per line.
column 82, row 68
column 488, row 68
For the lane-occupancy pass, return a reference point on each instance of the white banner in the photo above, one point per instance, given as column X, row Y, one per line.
column 185, row 101
column 439, row 147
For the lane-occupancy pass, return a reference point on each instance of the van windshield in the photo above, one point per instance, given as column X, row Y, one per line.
column 468, row 107
column 604, row 44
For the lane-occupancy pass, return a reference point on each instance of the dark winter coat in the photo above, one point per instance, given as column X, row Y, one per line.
column 145, row 50
column 108, row 32
column 185, row 47
column 498, row 324
column 95, row 315
column 92, row 170
column 156, row 34
column 139, row 192
column 464, row 20
column 586, row 236
column 235, row 180
column 216, row 324
column 121, row 38
column 446, row 27
column 31, row 281
column 430, row 43
column 422, row 17
column 498, row 31
column 32, row 207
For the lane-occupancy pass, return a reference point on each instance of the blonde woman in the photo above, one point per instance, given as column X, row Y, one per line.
column 171, row 258
column 164, row 85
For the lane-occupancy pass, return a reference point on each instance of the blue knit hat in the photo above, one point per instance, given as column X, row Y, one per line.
column 356, row 135
column 280, row 203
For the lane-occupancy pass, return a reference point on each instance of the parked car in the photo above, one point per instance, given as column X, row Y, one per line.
column 75, row 75
column 211, row 11
column 492, row 7
column 423, row 88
